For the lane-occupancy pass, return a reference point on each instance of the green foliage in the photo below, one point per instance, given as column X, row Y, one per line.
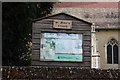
column 59, row 73
column 17, row 30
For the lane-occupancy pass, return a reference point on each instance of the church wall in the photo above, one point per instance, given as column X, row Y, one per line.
column 103, row 36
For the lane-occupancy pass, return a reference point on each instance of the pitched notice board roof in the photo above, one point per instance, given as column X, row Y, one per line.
column 62, row 13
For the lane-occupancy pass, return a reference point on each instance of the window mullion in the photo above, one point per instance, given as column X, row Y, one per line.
column 112, row 55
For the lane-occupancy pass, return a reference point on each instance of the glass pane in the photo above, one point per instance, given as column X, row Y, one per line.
column 61, row 47
column 109, row 54
column 115, row 53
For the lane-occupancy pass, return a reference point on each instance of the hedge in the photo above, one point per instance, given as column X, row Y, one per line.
column 59, row 73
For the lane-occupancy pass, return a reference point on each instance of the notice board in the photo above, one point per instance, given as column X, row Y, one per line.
column 61, row 40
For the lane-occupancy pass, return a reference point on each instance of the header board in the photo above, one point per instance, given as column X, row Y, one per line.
column 62, row 24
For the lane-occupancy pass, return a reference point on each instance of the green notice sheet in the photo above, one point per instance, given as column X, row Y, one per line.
column 68, row 57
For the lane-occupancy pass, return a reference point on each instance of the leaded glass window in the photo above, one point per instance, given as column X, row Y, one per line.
column 112, row 52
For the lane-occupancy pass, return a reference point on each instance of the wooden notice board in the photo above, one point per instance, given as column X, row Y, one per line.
column 61, row 40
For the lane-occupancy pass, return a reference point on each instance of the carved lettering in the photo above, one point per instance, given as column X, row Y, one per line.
column 62, row 24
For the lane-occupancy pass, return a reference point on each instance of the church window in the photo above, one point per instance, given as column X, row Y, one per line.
column 112, row 52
